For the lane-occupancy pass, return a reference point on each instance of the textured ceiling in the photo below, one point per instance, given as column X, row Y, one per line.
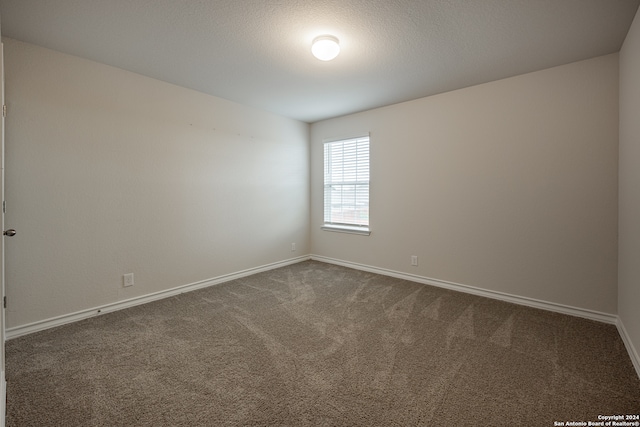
column 257, row 52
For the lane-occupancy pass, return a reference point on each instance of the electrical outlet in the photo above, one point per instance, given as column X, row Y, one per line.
column 128, row 279
column 293, row 247
column 414, row 260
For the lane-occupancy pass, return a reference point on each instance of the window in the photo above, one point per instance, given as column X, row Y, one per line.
column 346, row 185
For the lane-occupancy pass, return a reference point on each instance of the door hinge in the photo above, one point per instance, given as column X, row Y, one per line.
column 4, row 206
column 4, row 301
column 4, row 110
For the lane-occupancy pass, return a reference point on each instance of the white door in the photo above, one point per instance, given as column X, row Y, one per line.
column 2, row 210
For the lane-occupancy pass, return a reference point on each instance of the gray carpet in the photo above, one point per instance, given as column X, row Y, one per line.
column 315, row 344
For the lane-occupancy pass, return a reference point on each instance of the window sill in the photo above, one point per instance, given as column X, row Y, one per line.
column 346, row 229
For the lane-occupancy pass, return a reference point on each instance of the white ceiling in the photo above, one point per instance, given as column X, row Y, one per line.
column 257, row 52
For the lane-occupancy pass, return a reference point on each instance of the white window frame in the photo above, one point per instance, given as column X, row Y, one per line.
column 358, row 178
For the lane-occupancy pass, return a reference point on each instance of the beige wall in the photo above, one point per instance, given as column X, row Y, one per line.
column 629, row 248
column 509, row 186
column 109, row 172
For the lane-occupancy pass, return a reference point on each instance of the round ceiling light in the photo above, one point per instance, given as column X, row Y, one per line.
column 325, row 48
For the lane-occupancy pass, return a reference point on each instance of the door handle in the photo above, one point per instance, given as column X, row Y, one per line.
column 10, row 232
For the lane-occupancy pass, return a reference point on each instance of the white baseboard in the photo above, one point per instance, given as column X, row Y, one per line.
column 107, row 308
column 544, row 305
column 502, row 296
column 633, row 354
column 530, row 302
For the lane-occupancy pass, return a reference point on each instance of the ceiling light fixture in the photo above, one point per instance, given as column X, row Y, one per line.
column 325, row 48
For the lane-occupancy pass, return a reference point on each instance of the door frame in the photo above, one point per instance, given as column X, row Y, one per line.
column 3, row 382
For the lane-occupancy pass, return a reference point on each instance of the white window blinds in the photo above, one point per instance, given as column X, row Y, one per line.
column 346, row 183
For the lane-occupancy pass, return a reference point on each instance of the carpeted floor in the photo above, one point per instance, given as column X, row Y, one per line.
column 315, row 344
